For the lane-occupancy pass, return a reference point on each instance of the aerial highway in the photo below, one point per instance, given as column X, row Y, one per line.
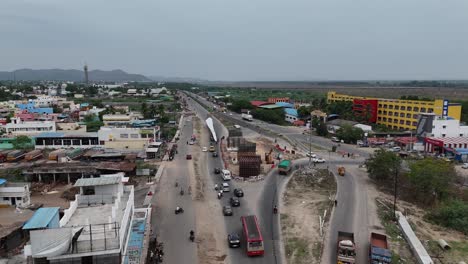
column 351, row 214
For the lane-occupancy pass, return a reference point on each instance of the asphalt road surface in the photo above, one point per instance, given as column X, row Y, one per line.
column 351, row 214
column 262, row 207
column 171, row 229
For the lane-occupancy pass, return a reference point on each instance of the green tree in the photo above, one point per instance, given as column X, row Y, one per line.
column 275, row 116
column 321, row 129
column 383, row 165
column 349, row 134
column 238, row 105
column 432, row 178
column 341, row 108
column 21, row 142
column 303, row 112
column 144, row 111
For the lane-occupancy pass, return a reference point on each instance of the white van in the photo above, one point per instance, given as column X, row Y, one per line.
column 226, row 175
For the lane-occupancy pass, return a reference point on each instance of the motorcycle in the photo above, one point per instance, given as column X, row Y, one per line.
column 181, row 192
column 220, row 195
column 179, row 210
column 192, row 236
column 275, row 210
column 176, row 184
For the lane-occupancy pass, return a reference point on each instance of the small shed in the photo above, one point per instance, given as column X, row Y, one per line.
column 43, row 218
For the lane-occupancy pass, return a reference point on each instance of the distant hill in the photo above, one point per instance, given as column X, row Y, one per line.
column 177, row 79
column 71, row 75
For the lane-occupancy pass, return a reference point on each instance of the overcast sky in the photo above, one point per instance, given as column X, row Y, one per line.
column 241, row 39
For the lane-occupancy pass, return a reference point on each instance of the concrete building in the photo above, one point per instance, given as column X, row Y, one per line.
column 58, row 140
column 431, row 125
column 274, row 100
column 119, row 120
column 18, row 127
column 395, row 113
column 291, row 115
column 14, row 194
column 94, row 229
column 126, row 138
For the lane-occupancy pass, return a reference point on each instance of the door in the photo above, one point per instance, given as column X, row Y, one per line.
column 13, row 200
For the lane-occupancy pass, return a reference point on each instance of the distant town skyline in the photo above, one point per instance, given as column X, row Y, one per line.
column 264, row 40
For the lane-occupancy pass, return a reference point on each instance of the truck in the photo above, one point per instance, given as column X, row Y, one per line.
column 15, row 155
column 341, row 171
column 346, row 249
column 32, row 155
column 378, row 249
column 172, row 152
column 4, row 154
column 247, row 116
column 284, row 167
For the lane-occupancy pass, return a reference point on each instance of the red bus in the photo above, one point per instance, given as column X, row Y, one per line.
column 253, row 236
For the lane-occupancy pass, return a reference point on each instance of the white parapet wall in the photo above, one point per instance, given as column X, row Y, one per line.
column 416, row 246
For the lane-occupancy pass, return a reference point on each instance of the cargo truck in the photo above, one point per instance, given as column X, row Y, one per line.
column 15, row 155
column 284, row 167
column 346, row 250
column 341, row 171
column 378, row 249
column 32, row 155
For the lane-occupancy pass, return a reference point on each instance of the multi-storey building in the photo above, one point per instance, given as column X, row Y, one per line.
column 274, row 100
column 395, row 113
column 18, row 127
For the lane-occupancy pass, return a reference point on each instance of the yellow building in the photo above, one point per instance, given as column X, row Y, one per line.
column 402, row 114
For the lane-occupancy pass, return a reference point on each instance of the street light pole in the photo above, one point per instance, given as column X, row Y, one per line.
column 395, row 192
column 310, row 140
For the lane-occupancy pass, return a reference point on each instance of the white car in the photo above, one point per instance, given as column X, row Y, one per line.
column 204, row 149
column 311, row 154
column 465, row 166
column 191, row 142
column 318, row 160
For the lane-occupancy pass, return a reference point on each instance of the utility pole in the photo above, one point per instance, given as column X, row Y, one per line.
column 310, row 141
column 395, row 192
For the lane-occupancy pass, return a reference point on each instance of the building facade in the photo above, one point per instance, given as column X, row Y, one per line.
column 431, row 125
column 14, row 194
column 18, row 127
column 126, row 138
column 400, row 114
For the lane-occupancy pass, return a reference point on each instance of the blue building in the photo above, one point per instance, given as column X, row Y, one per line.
column 31, row 108
column 43, row 218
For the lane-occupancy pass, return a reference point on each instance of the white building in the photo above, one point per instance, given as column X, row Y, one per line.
column 119, row 120
column 14, row 194
column 94, row 229
column 127, row 138
column 18, row 127
column 431, row 125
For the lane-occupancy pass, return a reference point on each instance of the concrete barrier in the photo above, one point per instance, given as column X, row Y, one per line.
column 416, row 246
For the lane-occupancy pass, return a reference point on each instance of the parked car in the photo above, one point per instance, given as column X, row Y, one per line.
column 227, row 210
column 234, row 201
column 311, row 154
column 204, row 149
column 465, row 166
column 233, row 240
column 217, row 170
column 335, row 139
column 215, row 154
column 189, row 156
column 212, row 148
column 239, row 192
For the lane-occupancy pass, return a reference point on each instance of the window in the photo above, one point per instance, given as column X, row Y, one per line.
column 76, row 142
column 402, row 115
column 461, row 135
column 403, row 108
column 409, row 108
column 431, row 110
column 423, row 109
column 444, row 127
column 67, row 142
column 123, row 135
column 134, row 135
column 6, row 198
column 18, row 199
column 390, row 112
column 408, row 115
column 443, row 135
column 85, row 141
column 408, row 123
column 397, row 107
column 416, row 109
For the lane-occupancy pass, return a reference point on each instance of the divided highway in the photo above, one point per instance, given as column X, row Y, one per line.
column 351, row 214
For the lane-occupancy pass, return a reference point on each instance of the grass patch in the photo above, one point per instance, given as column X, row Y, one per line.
column 298, row 249
column 386, row 217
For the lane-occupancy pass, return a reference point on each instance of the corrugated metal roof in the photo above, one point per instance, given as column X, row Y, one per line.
column 270, row 106
column 97, row 181
column 285, row 105
column 41, row 218
column 291, row 111
column 2, row 181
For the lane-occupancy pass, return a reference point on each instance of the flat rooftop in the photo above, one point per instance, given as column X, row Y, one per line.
column 10, row 219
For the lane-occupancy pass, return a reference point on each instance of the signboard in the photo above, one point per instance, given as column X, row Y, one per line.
column 445, row 108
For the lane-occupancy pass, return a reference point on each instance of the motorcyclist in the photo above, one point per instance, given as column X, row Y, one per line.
column 275, row 209
column 176, row 184
column 192, row 235
column 336, row 202
column 181, row 191
column 216, row 187
column 220, row 194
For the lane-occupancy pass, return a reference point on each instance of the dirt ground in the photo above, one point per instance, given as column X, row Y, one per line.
column 426, row 232
column 307, row 195
column 49, row 195
column 211, row 249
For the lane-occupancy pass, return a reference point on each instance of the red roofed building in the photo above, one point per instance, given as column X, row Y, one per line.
column 258, row 103
column 439, row 145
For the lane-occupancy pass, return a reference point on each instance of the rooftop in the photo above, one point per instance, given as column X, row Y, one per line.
column 66, row 134
column 41, row 218
column 97, row 181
